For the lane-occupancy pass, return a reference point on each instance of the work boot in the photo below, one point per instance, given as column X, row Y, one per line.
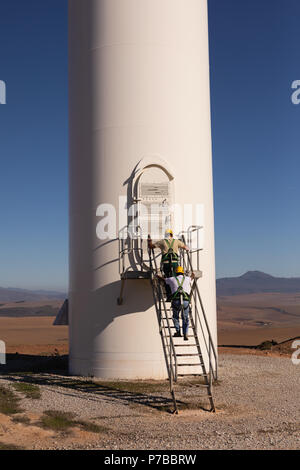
column 186, row 338
column 177, row 334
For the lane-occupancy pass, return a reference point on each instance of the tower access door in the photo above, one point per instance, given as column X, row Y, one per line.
column 154, row 196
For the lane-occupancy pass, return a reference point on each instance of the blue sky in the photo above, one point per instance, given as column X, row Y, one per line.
column 34, row 144
column 254, row 59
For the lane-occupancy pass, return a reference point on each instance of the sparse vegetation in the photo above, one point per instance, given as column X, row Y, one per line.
column 9, row 402
column 90, row 427
column 21, row 419
column 63, row 421
column 266, row 345
column 57, row 420
column 29, row 390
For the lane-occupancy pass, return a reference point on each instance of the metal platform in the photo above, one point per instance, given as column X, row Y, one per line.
column 136, row 275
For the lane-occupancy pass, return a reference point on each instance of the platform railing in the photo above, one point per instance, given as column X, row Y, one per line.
column 130, row 246
column 201, row 322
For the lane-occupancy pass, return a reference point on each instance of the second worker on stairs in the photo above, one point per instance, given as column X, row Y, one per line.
column 180, row 286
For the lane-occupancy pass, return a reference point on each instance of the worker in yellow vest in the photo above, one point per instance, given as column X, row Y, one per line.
column 169, row 247
column 180, row 286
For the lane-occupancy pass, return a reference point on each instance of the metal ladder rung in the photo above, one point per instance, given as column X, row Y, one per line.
column 193, row 375
column 191, row 365
column 189, row 336
column 187, row 355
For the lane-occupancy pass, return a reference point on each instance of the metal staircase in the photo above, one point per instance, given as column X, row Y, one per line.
column 183, row 359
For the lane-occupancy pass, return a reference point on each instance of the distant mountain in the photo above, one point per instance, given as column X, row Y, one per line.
column 254, row 282
column 11, row 294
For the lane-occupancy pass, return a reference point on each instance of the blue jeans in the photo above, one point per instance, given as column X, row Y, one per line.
column 176, row 306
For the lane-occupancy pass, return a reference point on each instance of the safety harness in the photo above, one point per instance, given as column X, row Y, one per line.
column 180, row 290
column 170, row 255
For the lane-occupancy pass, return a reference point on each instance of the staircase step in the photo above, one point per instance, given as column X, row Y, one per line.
column 189, row 365
column 189, row 336
column 193, row 375
column 187, row 355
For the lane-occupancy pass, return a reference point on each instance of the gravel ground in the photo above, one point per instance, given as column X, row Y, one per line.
column 257, row 403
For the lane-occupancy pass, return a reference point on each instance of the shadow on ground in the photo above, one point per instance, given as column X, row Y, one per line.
column 52, row 372
column 34, row 363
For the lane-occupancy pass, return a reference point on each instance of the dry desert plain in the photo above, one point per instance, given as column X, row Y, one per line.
column 243, row 320
column 257, row 397
column 253, row 318
column 27, row 328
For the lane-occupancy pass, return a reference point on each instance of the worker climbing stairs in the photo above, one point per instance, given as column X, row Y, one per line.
column 195, row 358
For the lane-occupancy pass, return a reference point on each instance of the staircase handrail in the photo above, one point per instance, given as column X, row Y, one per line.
column 209, row 347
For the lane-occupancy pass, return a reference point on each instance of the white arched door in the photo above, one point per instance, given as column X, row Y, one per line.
column 155, row 199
